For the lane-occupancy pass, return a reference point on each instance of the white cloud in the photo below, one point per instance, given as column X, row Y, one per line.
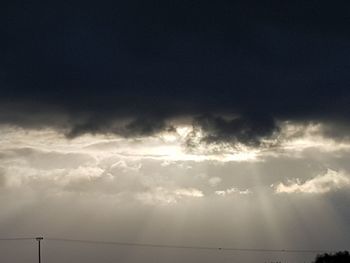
column 190, row 192
column 163, row 196
column 294, row 138
column 167, row 146
column 233, row 190
column 327, row 182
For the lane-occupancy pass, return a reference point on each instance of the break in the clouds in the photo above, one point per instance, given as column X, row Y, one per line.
column 157, row 190
column 233, row 68
column 163, row 170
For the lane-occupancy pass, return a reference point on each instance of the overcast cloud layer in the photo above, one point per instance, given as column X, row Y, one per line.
column 127, row 67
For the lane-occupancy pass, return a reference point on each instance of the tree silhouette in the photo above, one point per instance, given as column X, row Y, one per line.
column 339, row 257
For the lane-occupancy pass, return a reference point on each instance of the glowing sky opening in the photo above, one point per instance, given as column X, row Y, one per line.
column 250, row 190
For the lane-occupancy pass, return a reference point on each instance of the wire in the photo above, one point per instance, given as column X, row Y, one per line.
column 17, row 238
column 186, row 247
column 151, row 245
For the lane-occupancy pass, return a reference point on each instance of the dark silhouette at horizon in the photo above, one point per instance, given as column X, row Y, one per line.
column 339, row 257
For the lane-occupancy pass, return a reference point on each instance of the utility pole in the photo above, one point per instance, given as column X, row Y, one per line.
column 39, row 247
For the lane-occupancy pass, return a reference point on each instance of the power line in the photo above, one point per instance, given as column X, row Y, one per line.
column 17, row 238
column 97, row 242
column 26, row 238
column 152, row 245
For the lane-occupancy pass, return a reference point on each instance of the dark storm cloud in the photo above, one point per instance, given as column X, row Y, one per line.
column 83, row 66
column 248, row 130
column 144, row 126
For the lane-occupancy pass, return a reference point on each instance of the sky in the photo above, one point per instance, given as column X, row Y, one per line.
column 186, row 123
